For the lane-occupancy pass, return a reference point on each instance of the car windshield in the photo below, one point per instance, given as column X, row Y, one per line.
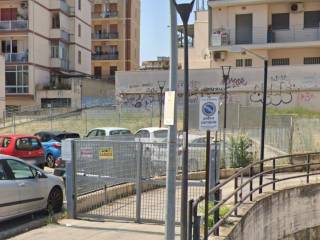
column 28, row 144
column 119, row 132
column 61, row 137
column 161, row 134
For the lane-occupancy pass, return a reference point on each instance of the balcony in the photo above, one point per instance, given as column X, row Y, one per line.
column 105, row 56
column 110, row 78
column 261, row 35
column 59, row 63
column 107, row 14
column 60, row 4
column 14, row 25
column 16, row 57
column 100, row 36
column 58, row 33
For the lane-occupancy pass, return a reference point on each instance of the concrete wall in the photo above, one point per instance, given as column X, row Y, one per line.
column 289, row 86
column 280, row 215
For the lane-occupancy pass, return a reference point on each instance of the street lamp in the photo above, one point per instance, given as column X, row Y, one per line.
column 264, row 107
column 161, row 85
column 225, row 74
column 184, row 10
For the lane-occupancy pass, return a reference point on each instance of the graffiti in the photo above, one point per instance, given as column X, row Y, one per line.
column 236, row 82
column 279, row 91
column 306, row 97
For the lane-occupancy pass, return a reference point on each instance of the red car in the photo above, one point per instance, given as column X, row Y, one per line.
column 26, row 147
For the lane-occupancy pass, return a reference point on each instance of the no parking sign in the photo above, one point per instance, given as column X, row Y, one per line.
column 209, row 113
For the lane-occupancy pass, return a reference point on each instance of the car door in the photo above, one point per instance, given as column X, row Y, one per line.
column 9, row 192
column 31, row 188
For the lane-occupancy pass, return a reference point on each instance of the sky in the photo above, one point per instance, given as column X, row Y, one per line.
column 155, row 31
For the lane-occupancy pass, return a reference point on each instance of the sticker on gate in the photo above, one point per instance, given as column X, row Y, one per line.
column 106, row 153
column 86, row 153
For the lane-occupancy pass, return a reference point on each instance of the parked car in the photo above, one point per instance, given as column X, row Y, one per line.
column 51, row 142
column 108, row 132
column 154, row 149
column 26, row 147
column 25, row 189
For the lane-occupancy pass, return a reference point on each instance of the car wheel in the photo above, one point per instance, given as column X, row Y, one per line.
column 55, row 200
column 50, row 161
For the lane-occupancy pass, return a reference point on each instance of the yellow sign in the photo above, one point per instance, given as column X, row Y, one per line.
column 106, row 153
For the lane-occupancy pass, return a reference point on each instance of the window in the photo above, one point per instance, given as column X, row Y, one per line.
column 93, row 133
column 244, row 62
column 55, row 20
column 280, row 61
column 143, row 134
column 312, row 19
column 17, row 79
column 79, row 57
column 248, row 62
column 239, row 63
column 6, row 142
column 3, row 175
column 20, row 170
column 312, row 60
column 101, row 133
column 28, row 144
column 79, row 30
column 79, row 4
column 97, row 72
column 160, row 134
column 280, row 21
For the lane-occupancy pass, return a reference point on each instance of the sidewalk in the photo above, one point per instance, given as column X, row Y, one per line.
column 86, row 230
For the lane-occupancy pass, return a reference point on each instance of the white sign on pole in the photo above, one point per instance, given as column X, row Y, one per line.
column 169, row 102
column 209, row 113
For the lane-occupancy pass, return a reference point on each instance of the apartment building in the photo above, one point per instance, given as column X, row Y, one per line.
column 115, row 37
column 285, row 32
column 43, row 41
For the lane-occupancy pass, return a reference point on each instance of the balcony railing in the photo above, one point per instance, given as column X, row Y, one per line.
column 114, row 35
column 106, row 56
column 14, row 25
column 105, row 78
column 107, row 14
column 261, row 35
column 16, row 57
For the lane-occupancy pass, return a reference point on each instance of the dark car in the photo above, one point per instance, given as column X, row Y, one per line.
column 51, row 142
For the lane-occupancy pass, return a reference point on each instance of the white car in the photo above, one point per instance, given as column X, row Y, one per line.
column 152, row 135
column 108, row 132
column 25, row 189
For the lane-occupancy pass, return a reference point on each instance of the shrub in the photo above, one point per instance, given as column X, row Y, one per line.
column 222, row 212
column 240, row 154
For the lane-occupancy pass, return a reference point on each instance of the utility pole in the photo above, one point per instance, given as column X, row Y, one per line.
column 172, row 138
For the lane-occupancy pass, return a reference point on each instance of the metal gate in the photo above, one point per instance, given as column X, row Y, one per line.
column 125, row 180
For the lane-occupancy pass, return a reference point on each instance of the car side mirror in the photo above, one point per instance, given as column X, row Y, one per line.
column 39, row 174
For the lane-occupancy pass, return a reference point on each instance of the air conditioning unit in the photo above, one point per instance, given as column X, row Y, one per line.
column 296, row 7
column 24, row 5
column 219, row 55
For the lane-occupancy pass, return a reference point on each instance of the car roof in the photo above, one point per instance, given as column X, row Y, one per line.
column 108, row 129
column 4, row 157
column 153, row 129
column 18, row 136
column 55, row 132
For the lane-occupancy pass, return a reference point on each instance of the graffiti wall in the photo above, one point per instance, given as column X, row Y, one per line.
column 288, row 86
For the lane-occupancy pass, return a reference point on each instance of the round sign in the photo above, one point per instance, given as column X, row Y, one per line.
column 209, row 109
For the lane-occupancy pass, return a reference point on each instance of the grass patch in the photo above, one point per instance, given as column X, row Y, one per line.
column 298, row 111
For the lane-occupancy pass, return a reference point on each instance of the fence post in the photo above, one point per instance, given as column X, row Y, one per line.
column 291, row 138
column 13, row 123
column 308, row 168
column 217, row 197
column 196, row 223
column 190, row 222
column 71, row 182
column 139, row 182
column 236, row 195
column 251, row 187
column 274, row 174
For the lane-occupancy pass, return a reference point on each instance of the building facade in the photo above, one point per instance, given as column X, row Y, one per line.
column 115, row 37
column 43, row 40
column 285, row 32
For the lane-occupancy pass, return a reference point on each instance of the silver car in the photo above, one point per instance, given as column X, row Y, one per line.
column 25, row 189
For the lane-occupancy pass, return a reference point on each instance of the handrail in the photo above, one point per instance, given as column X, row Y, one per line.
column 194, row 226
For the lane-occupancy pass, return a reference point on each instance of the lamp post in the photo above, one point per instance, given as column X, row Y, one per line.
column 161, row 87
column 264, row 106
column 225, row 74
column 184, row 10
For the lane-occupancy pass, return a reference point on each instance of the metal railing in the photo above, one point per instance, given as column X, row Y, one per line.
column 244, row 190
column 113, row 56
column 16, row 57
column 104, row 35
column 261, row 35
column 107, row 14
column 14, row 25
